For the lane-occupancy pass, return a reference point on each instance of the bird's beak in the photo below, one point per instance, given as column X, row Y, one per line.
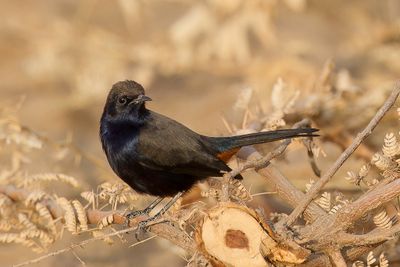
column 141, row 99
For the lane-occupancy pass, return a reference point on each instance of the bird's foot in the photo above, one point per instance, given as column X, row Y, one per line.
column 136, row 213
column 143, row 226
column 145, row 212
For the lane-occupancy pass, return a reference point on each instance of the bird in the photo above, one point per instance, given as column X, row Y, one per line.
column 159, row 156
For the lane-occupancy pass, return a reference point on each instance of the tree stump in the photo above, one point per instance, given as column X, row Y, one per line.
column 235, row 235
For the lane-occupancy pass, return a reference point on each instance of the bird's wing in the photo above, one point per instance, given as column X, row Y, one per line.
column 167, row 145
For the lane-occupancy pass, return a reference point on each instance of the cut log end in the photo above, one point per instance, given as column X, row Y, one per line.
column 234, row 235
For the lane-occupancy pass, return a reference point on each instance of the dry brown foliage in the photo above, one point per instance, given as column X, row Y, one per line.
column 264, row 64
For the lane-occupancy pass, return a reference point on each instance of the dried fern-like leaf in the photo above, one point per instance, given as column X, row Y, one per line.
column 364, row 171
column 106, row 221
column 382, row 220
column 6, row 206
column 46, row 215
column 10, row 238
column 391, row 147
column 90, row 196
column 34, row 197
column 277, row 98
column 382, row 162
column 370, row 259
column 383, row 262
column 212, row 192
column 28, row 224
column 244, row 98
column 49, row 177
column 325, row 201
column 281, row 101
column 372, row 183
column 238, row 191
column 309, row 185
column 22, row 136
column 335, row 208
column 5, row 225
column 353, row 178
column 81, row 214
column 69, row 215
column 16, row 238
column 43, row 237
column 358, row 264
column 5, row 200
column 116, row 193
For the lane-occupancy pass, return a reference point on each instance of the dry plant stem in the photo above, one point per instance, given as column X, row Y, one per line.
column 354, row 253
column 331, row 226
column 312, row 193
column 337, row 258
column 317, row 260
column 369, row 201
column 371, row 238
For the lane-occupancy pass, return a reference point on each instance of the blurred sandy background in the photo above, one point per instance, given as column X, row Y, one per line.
column 193, row 57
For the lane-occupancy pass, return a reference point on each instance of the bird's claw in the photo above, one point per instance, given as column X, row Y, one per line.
column 142, row 226
column 133, row 214
column 141, row 229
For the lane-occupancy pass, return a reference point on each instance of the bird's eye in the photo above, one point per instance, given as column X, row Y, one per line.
column 122, row 100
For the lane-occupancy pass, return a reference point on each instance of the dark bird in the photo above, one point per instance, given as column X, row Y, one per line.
column 159, row 156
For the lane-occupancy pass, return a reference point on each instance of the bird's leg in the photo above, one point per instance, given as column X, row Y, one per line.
column 145, row 211
column 143, row 224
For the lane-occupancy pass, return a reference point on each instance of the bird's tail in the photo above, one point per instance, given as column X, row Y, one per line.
column 232, row 142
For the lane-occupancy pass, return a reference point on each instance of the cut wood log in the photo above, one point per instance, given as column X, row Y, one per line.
column 234, row 235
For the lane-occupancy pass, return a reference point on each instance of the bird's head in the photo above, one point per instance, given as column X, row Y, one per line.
column 126, row 99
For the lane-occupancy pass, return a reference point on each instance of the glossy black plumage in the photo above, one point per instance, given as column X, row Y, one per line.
column 159, row 156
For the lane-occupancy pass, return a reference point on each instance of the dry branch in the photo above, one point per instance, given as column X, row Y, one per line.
column 312, row 193
column 325, row 229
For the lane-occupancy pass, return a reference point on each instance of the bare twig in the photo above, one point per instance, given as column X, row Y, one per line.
column 369, row 201
column 73, row 246
column 374, row 237
column 312, row 193
column 78, row 258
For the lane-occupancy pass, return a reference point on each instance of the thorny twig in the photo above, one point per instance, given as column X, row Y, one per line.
column 312, row 193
